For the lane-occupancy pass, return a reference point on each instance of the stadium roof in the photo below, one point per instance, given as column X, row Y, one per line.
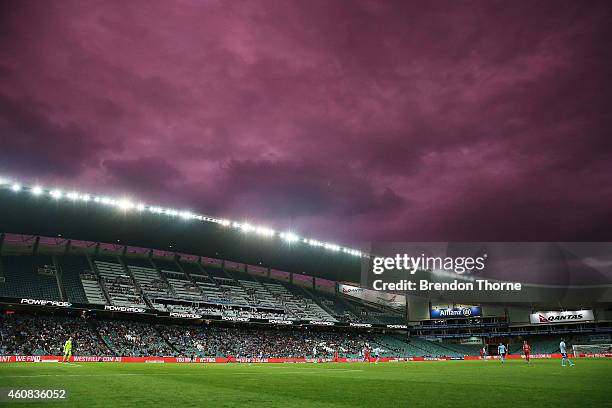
column 73, row 215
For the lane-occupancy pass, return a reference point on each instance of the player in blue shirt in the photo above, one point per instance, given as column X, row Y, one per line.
column 563, row 350
column 501, row 350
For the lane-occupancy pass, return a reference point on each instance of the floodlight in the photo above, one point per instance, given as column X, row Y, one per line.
column 57, row 194
column 289, row 236
column 16, row 187
column 37, row 190
column 73, row 195
column 186, row 215
column 125, row 204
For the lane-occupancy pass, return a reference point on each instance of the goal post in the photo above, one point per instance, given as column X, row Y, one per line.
column 592, row 350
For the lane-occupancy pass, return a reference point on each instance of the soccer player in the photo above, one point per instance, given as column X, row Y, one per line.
column 366, row 354
column 67, row 350
column 483, row 353
column 377, row 354
column 526, row 350
column 563, row 350
column 501, row 350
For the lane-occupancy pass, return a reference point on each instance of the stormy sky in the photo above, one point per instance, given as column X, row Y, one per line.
column 343, row 120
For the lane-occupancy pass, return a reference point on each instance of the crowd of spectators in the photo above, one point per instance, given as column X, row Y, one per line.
column 45, row 335
column 136, row 339
column 212, row 341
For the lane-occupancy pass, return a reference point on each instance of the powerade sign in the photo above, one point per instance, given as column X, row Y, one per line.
column 124, row 309
column 457, row 312
column 43, row 302
column 561, row 317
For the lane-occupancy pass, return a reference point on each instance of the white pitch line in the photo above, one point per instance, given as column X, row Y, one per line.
column 302, row 371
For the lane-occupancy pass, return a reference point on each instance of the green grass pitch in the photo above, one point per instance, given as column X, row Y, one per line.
column 409, row 384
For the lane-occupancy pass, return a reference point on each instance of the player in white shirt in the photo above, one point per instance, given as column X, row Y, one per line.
column 563, row 350
column 377, row 352
column 501, row 350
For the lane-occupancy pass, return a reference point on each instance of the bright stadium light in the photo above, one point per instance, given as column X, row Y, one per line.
column 73, row 195
column 332, row 247
column 186, row 215
column 171, row 212
column 289, row 236
column 107, row 201
column 246, row 227
column 126, row 204
column 268, row 232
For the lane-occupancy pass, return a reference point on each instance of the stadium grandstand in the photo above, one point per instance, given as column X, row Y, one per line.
column 121, row 298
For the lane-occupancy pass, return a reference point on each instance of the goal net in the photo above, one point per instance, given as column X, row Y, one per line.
column 592, row 350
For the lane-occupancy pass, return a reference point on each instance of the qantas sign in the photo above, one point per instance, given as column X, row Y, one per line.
column 561, row 317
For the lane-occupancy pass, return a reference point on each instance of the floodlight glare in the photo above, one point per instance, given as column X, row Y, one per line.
column 264, row 231
column 126, row 204
column 289, row 237
column 186, row 215
column 73, row 195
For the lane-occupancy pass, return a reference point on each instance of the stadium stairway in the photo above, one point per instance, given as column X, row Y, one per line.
column 168, row 342
column 103, row 339
column 317, row 299
column 70, row 268
column 136, row 284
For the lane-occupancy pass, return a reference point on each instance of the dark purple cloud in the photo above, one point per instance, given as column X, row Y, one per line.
column 358, row 121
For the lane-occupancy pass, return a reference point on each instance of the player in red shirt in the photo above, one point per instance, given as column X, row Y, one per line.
column 526, row 350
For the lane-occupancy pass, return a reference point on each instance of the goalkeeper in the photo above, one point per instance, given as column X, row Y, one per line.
column 67, row 350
